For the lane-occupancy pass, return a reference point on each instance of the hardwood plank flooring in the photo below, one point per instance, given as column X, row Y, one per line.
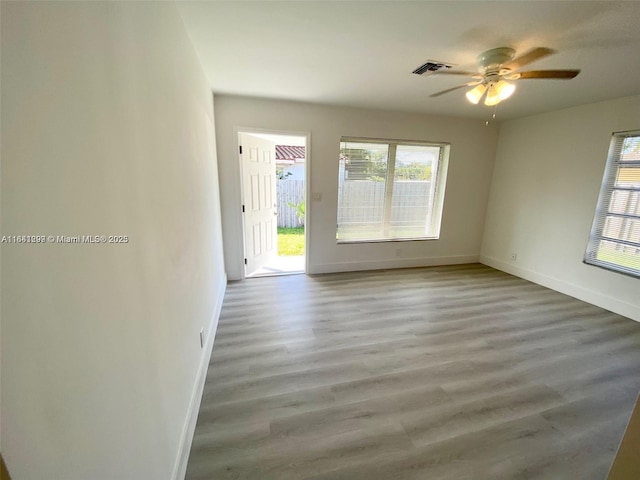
column 459, row 372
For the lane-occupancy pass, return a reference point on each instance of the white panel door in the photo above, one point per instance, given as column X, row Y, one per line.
column 260, row 204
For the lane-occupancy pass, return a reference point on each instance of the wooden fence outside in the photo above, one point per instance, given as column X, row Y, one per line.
column 361, row 202
column 289, row 191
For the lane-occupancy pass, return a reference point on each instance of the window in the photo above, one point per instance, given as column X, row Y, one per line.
column 614, row 242
column 390, row 190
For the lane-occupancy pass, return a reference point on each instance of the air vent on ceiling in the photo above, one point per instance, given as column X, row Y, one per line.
column 432, row 66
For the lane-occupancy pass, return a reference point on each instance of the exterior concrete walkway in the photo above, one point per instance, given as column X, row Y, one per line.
column 281, row 266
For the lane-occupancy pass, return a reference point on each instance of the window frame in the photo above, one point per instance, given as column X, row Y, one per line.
column 439, row 178
column 607, row 187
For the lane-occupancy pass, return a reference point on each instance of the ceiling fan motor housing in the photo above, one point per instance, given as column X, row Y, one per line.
column 493, row 59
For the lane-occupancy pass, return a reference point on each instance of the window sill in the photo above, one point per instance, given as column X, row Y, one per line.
column 386, row 240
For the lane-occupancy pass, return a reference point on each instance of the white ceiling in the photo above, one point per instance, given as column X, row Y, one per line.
column 362, row 53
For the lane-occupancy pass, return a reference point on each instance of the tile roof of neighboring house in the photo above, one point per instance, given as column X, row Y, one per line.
column 289, row 152
column 626, row 157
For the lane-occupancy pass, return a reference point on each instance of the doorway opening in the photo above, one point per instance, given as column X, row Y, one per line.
column 273, row 169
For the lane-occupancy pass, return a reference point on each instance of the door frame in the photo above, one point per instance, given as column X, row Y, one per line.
column 307, row 186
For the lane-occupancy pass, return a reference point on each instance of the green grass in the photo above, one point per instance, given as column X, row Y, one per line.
column 624, row 259
column 290, row 242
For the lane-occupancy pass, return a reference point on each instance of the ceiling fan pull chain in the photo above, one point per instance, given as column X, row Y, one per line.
column 493, row 115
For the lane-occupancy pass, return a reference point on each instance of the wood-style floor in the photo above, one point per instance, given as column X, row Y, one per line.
column 459, row 372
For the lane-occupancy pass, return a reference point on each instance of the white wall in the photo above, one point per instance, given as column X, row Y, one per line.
column 470, row 168
column 543, row 196
column 107, row 128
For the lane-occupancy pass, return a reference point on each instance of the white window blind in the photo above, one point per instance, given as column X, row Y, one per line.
column 614, row 242
column 390, row 190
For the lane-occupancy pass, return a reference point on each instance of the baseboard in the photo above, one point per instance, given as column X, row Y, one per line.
column 590, row 296
column 626, row 464
column 392, row 263
column 4, row 473
column 180, row 468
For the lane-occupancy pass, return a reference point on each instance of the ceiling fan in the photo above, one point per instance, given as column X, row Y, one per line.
column 495, row 67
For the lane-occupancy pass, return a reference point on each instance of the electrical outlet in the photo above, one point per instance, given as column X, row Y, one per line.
column 316, row 196
column 514, row 256
column 202, row 338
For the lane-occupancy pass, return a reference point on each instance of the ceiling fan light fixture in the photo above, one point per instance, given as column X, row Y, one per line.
column 505, row 89
column 498, row 92
column 475, row 94
column 492, row 96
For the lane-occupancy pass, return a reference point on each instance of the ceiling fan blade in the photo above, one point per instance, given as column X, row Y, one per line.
column 529, row 57
column 557, row 74
column 452, row 89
